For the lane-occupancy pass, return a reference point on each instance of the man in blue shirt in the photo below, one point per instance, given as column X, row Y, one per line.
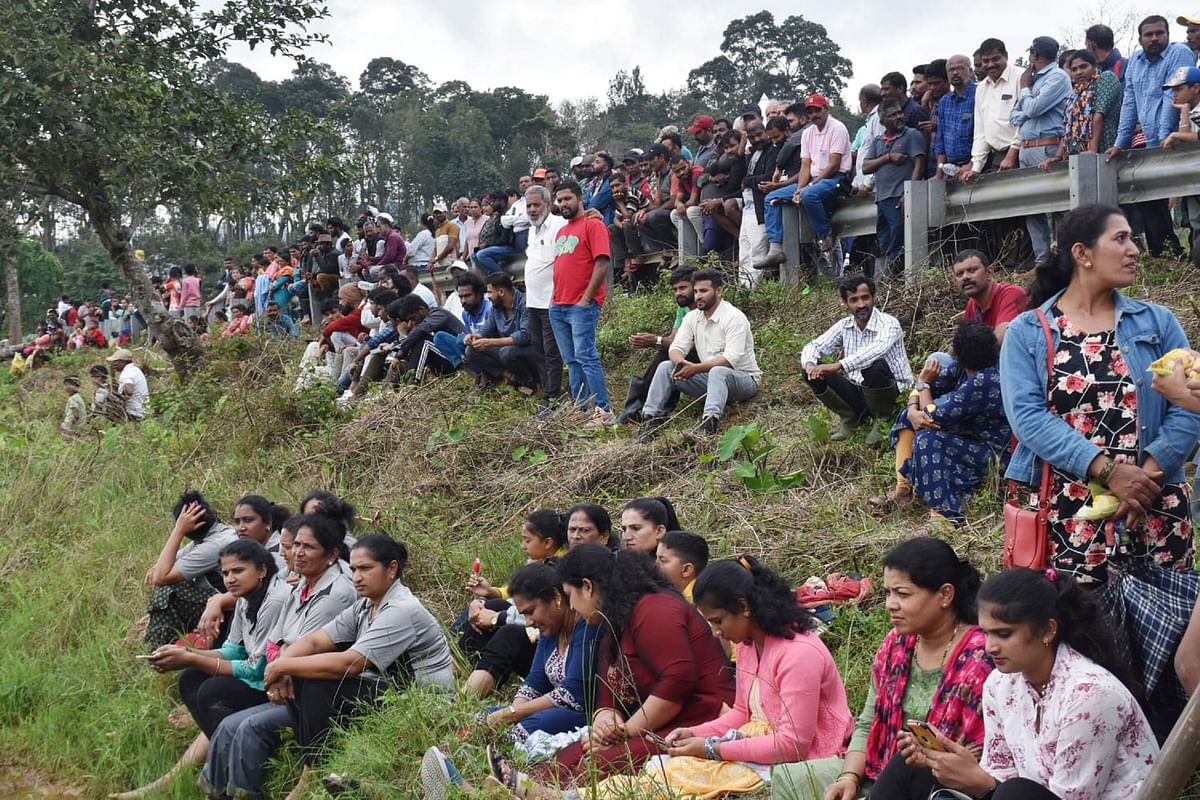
column 1038, row 117
column 1098, row 40
column 1147, row 102
column 955, row 133
column 504, row 344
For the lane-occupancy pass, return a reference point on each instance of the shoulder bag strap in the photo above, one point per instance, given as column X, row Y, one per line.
column 1044, row 489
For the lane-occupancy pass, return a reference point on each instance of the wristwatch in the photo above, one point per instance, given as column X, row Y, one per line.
column 920, row 386
column 658, row 342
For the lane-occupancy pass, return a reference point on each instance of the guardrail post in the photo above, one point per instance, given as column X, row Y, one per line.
column 794, row 232
column 1093, row 180
column 689, row 243
column 916, row 228
column 937, row 203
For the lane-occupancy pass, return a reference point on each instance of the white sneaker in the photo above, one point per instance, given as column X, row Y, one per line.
column 600, row 418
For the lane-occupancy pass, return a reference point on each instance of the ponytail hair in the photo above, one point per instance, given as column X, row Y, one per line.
column 771, row 601
column 658, row 510
column 332, row 506
column 274, row 516
column 1034, row 597
column 548, row 524
column 622, row 578
column 384, row 550
column 1084, row 225
column 931, row 564
column 254, row 553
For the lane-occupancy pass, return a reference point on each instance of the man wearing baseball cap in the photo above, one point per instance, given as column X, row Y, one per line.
column 702, row 129
column 446, row 236
column 1038, row 116
column 1192, row 23
column 1185, row 95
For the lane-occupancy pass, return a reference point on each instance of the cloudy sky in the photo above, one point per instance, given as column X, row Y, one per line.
column 570, row 48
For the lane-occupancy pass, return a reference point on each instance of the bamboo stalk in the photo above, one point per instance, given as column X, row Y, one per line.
column 1178, row 759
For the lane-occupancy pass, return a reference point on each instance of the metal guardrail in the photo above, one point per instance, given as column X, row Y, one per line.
column 1134, row 176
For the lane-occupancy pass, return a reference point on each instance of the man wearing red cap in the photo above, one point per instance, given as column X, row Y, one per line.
column 702, row 129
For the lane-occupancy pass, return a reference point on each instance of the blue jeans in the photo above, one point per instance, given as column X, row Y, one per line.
column 488, row 259
column 889, row 227
column 575, row 334
column 816, row 199
column 773, row 214
column 241, row 749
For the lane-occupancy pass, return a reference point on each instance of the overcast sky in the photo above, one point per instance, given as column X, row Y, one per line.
column 575, row 46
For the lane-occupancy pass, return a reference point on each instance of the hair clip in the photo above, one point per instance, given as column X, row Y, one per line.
column 1051, row 575
column 742, row 560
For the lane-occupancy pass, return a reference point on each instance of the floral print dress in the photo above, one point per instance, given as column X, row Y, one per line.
column 1094, row 394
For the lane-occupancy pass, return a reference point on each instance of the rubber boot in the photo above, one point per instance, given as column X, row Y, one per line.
column 882, row 403
column 849, row 420
column 773, row 258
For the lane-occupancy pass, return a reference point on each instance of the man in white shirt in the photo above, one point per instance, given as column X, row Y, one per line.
column 131, row 384
column 996, row 147
column 727, row 370
column 874, row 366
column 539, row 288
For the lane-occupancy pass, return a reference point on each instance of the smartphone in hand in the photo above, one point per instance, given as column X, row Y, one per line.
column 658, row 740
column 925, row 735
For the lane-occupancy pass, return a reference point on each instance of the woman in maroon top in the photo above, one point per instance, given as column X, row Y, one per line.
column 660, row 666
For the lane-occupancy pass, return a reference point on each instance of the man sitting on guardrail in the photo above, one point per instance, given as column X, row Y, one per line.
column 873, row 368
column 1185, row 89
column 824, row 169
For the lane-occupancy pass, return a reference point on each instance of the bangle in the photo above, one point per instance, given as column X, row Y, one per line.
column 849, row 774
column 914, row 393
column 1106, row 471
column 710, row 748
column 658, row 341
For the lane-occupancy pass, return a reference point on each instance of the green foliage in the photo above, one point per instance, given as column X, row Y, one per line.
column 789, row 59
column 40, row 276
column 753, row 444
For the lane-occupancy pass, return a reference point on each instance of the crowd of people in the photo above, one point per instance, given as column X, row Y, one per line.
column 643, row 665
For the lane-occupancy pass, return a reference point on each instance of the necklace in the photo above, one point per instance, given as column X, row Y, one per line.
column 949, row 644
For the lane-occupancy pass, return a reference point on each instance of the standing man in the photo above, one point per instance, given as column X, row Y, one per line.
column 873, row 368
column 1192, row 24
column 896, row 85
column 895, row 156
column 995, row 147
column 824, row 169
column 955, row 134
column 1098, row 40
column 1038, row 117
column 702, row 129
column 580, row 267
column 727, row 369
column 539, row 289
column 1147, row 102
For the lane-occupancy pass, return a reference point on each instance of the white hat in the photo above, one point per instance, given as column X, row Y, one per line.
column 120, row 354
column 576, row 161
column 385, row 217
column 460, row 264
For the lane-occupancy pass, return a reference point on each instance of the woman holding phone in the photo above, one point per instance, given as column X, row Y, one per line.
column 1061, row 721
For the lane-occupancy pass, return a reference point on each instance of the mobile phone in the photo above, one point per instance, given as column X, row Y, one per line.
column 658, row 740
column 145, row 656
column 925, row 735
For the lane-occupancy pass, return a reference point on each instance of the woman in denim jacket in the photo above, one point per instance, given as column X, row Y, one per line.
column 1104, row 423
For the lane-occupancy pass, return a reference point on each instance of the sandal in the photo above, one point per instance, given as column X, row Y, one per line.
column 511, row 782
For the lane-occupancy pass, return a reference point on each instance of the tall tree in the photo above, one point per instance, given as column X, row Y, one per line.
column 106, row 106
column 759, row 56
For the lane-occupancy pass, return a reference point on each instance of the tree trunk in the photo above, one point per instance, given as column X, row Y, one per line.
column 48, row 225
column 12, row 297
column 178, row 340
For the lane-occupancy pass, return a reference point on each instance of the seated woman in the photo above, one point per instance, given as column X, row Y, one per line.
column 330, row 506
column 790, row 704
column 559, row 685
column 931, row 666
column 1061, row 721
column 943, row 444
column 216, row 683
column 588, row 523
column 645, row 521
column 543, row 538
column 244, row 741
column 391, row 637
column 257, row 519
column 184, row 579
column 660, row 667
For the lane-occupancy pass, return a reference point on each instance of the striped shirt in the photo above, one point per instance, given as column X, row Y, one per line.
column 881, row 338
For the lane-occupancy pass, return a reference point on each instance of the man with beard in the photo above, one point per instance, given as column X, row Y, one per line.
column 581, row 264
column 685, row 300
column 1146, row 102
column 725, row 368
column 873, row 368
column 539, row 289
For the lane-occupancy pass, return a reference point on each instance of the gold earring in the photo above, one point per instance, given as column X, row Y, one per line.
column 745, row 613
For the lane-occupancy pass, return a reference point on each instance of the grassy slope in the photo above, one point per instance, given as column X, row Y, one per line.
column 83, row 521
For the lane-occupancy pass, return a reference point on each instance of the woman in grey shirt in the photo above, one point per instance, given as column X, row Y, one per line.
column 391, row 636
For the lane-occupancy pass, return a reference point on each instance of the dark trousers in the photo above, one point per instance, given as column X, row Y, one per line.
column 508, row 652
column 212, row 698
column 319, row 704
column 546, row 347
column 625, row 242
column 521, row 362
column 471, row 641
column 1158, row 226
column 658, row 232
column 876, row 376
column 899, row 781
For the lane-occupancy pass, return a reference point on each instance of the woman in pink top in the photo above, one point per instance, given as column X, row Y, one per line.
column 473, row 226
column 189, row 292
column 790, row 703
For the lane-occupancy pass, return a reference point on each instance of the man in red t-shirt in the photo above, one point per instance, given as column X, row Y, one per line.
column 580, row 268
column 994, row 304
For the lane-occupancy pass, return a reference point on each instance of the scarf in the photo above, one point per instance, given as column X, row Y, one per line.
column 1078, row 123
column 957, row 707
